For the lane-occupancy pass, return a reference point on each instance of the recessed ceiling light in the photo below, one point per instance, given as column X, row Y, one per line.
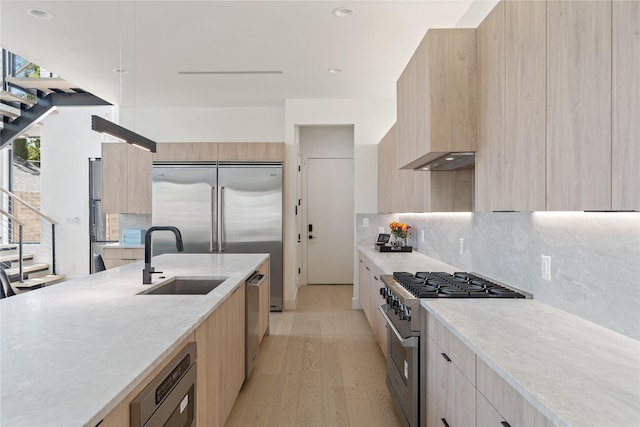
column 120, row 71
column 334, row 70
column 342, row 12
column 40, row 13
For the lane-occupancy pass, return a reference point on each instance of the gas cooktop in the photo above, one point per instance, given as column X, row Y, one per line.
column 456, row 285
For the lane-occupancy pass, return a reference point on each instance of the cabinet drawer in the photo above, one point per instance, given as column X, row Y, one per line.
column 123, row 253
column 510, row 404
column 456, row 350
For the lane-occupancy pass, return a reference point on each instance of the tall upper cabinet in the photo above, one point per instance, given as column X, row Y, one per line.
column 625, row 174
column 578, row 105
column 436, row 95
column 126, row 179
column 510, row 162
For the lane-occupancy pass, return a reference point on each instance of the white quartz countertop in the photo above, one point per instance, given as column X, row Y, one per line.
column 573, row 371
column 389, row 262
column 69, row 353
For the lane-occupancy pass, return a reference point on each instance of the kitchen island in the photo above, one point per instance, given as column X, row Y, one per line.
column 70, row 353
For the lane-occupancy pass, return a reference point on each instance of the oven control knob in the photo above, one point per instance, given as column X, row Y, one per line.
column 407, row 313
column 383, row 292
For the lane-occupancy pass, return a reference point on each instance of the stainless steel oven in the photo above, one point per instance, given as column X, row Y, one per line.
column 401, row 312
column 169, row 400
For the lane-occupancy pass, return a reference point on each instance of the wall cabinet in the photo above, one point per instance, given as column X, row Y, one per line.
column 436, row 98
column 221, row 347
column 625, row 173
column 401, row 190
column 254, row 151
column 186, row 151
column 578, row 105
column 115, row 257
column 510, row 162
column 126, row 179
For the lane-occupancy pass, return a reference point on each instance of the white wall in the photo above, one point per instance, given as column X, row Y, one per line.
column 67, row 143
column 167, row 124
column 371, row 119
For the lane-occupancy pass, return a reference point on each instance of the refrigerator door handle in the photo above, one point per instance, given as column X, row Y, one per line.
column 221, row 219
column 213, row 241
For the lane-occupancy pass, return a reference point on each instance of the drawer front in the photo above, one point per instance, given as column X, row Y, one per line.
column 510, row 404
column 454, row 348
column 123, row 253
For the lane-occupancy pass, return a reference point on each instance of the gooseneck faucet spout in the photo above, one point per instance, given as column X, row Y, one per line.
column 148, row 270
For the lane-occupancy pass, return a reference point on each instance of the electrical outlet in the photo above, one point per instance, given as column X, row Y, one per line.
column 546, row 268
column 380, row 229
column 365, row 222
column 422, row 235
column 461, row 246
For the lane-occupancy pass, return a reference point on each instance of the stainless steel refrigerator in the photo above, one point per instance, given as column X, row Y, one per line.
column 223, row 208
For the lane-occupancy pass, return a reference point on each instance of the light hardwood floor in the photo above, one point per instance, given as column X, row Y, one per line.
column 320, row 366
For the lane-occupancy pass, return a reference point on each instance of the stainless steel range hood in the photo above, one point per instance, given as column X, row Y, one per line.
column 450, row 162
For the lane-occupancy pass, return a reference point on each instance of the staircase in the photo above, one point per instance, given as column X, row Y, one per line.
column 26, row 270
column 24, row 101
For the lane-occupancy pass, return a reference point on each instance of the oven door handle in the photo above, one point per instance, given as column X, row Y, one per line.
column 411, row 342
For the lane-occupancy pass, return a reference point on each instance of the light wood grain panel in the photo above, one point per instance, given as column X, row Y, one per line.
column 123, row 253
column 114, row 178
column 263, row 301
column 386, row 165
column 451, row 191
column 410, row 112
column 626, row 106
column 506, row 400
column 119, row 416
column 578, row 105
column 491, row 110
column 460, row 355
column 486, row 415
column 521, row 178
column 139, row 180
column 221, row 360
column 186, row 151
column 256, row 151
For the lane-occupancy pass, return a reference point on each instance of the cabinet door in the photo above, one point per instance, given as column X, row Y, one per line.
column 254, row 151
column 521, row 186
column 221, row 340
column 506, row 400
column 491, row 114
column 386, row 165
column 375, row 300
column 626, row 106
column 578, row 105
column 411, row 113
column 486, row 415
column 114, row 178
column 363, row 284
column 139, row 180
column 186, row 151
column 263, row 298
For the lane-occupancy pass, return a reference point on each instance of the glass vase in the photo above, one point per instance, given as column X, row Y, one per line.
column 397, row 242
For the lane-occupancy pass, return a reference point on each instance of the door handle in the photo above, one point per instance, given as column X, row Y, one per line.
column 311, row 237
column 310, row 227
column 221, row 220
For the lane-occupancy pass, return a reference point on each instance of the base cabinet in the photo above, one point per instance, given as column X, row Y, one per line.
column 263, row 301
column 370, row 299
column 115, row 257
column 221, row 347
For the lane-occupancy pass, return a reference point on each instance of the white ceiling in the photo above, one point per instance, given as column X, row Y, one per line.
column 154, row 40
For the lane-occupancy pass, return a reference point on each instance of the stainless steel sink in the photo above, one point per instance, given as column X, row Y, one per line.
column 186, row 286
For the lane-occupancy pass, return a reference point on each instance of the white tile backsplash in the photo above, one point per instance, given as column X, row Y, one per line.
column 595, row 257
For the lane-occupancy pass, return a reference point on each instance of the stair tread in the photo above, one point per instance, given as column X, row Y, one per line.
column 15, row 257
column 10, row 97
column 39, row 282
column 31, row 268
column 45, row 84
column 9, row 114
column 8, row 247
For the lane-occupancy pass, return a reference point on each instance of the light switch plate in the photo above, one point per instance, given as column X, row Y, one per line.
column 380, row 229
column 365, row 222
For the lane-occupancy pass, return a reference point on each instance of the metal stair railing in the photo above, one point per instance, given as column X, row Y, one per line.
column 43, row 232
column 7, row 222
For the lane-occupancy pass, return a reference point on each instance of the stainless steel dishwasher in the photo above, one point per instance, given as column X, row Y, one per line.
column 252, row 313
column 169, row 400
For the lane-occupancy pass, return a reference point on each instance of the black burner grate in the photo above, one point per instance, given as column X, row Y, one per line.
column 458, row 285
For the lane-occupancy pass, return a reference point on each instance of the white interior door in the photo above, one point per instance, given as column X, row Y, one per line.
column 329, row 230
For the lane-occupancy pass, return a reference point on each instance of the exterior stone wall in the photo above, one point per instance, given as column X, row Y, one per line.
column 31, row 228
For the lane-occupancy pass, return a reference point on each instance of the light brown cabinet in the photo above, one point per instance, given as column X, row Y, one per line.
column 186, row 151
column 370, row 299
column 510, row 405
column 436, row 98
column 126, row 179
column 221, row 347
column 115, row 257
column 253, row 151
column 263, row 301
column 510, row 162
column 625, row 173
column 578, row 158
column 401, row 190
